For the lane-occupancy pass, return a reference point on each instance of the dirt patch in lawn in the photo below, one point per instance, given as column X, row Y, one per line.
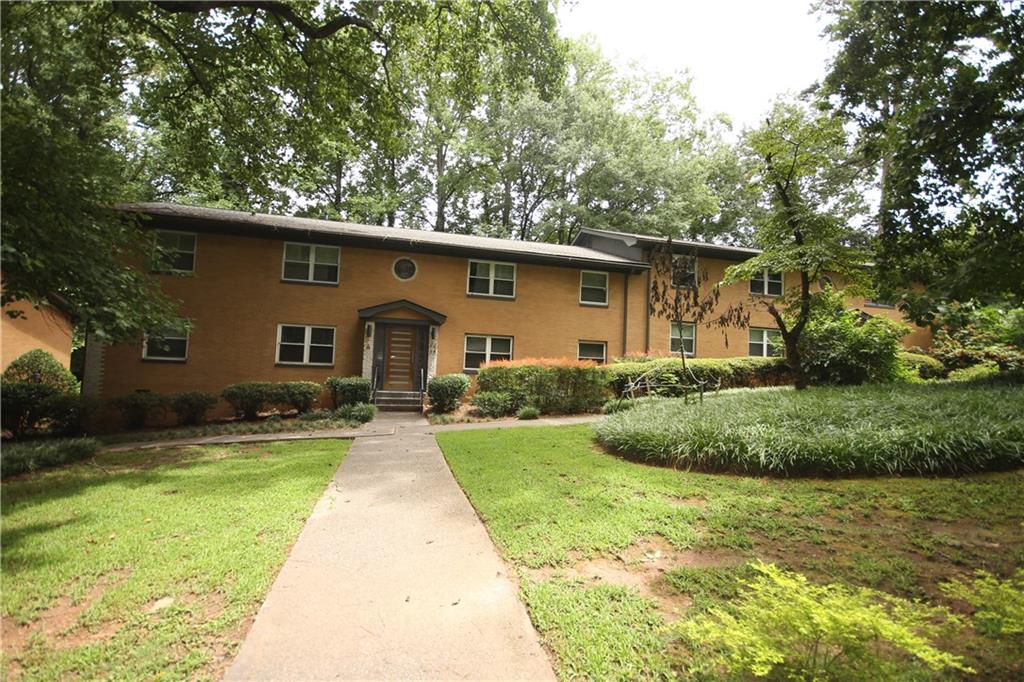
column 641, row 567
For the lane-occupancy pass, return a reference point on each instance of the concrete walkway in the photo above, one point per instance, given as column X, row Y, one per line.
column 393, row 577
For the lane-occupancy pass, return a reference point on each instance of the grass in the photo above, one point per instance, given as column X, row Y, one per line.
column 555, row 504
column 150, row 564
column 892, row 429
column 271, row 424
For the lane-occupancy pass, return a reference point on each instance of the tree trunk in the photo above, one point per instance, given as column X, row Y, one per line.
column 440, row 191
column 795, row 362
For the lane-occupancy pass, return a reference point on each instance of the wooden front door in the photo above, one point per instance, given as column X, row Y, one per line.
column 400, row 358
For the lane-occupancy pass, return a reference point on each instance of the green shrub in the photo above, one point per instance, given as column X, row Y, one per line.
column 68, row 414
column 492, row 403
column 446, row 391
column 618, row 405
column 37, row 391
column 528, row 412
column 784, row 627
column 921, row 365
column 249, row 398
column 553, row 386
column 348, row 390
column 20, row 458
column 924, row 429
column 137, row 408
column 192, row 406
column 358, row 412
column 839, row 347
column 981, row 372
column 315, row 415
column 666, row 376
column 298, row 395
column 998, row 604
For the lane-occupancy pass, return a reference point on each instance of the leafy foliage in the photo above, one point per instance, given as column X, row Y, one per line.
column 782, row 625
column 139, row 407
column 667, row 377
column 249, row 398
column 356, row 412
column 40, row 367
column 37, row 390
column 298, row 395
column 191, row 406
column 493, row 404
column 921, row 366
column 446, row 391
column 970, row 334
column 998, row 604
column 981, row 372
column 348, row 390
column 891, row 429
column 528, row 412
column 552, row 386
column 23, row 458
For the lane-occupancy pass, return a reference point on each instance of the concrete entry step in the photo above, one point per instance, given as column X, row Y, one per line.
column 394, row 401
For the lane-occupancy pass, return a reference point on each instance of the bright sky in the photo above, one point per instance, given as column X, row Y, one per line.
column 740, row 53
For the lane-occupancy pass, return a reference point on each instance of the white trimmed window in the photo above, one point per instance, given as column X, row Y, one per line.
column 178, row 251
column 303, row 344
column 593, row 288
column 765, row 343
column 766, row 283
column 490, row 278
column 311, row 263
column 592, row 350
column 684, row 271
column 481, row 349
column 682, row 335
column 166, row 344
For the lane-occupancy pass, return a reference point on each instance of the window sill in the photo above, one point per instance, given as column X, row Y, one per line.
column 313, row 284
column 593, row 305
column 303, row 364
column 757, row 295
column 492, row 297
column 176, row 361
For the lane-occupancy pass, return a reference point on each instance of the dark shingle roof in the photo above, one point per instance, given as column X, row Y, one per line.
column 680, row 245
column 220, row 220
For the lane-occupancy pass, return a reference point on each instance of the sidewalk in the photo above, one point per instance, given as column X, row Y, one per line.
column 393, row 577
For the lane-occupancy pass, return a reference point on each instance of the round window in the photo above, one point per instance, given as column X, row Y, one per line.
column 825, row 282
column 405, row 268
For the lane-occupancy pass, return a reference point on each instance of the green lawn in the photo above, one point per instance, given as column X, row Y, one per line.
column 150, row 564
column 272, row 424
column 609, row 550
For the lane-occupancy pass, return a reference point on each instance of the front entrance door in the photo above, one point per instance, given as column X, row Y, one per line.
column 399, row 358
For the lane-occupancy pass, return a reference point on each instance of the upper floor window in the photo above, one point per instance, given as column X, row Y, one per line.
column 490, row 278
column 766, row 283
column 311, row 263
column 681, row 336
column 593, row 288
column 303, row 344
column 592, row 350
column 765, row 343
column 178, row 251
column 684, row 271
column 166, row 344
column 481, row 349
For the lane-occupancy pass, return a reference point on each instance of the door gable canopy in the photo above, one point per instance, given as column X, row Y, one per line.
column 402, row 306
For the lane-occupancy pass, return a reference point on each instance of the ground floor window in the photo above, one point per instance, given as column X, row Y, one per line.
column 302, row 344
column 592, row 350
column 166, row 344
column 766, row 343
column 682, row 335
column 481, row 349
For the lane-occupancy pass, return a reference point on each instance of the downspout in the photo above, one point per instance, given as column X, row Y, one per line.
column 647, row 314
column 625, row 313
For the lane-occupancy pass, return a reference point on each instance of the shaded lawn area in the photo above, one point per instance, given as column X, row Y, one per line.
column 271, row 424
column 150, row 564
column 609, row 550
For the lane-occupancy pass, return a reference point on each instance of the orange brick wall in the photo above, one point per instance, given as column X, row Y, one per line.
column 44, row 327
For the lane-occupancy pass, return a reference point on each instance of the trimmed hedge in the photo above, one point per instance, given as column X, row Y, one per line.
column 552, row 386
column 446, row 391
column 527, row 413
column 137, row 408
column 668, row 378
column 925, row 366
column 192, row 406
column 348, row 390
column 37, row 392
column 21, row 458
column 298, row 395
column 493, row 404
column 924, row 429
column 249, row 398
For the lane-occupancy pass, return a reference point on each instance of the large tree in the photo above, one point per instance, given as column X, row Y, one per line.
column 936, row 90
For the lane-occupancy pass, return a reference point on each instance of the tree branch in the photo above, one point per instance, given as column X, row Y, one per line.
column 275, row 7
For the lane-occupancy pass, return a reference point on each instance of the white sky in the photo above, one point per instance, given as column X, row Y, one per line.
column 740, row 53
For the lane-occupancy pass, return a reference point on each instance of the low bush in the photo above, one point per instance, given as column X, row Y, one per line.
column 528, row 412
column 357, row 412
column 21, row 458
column 38, row 392
column 781, row 626
column 191, row 407
column 618, row 405
column 69, row 414
column 921, row 365
column 983, row 371
column 250, row 398
column 348, row 390
column 316, row 415
column 446, row 391
column 877, row 429
column 298, row 395
column 138, row 408
column 553, row 386
column 493, row 404
column 998, row 604
column 666, row 376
